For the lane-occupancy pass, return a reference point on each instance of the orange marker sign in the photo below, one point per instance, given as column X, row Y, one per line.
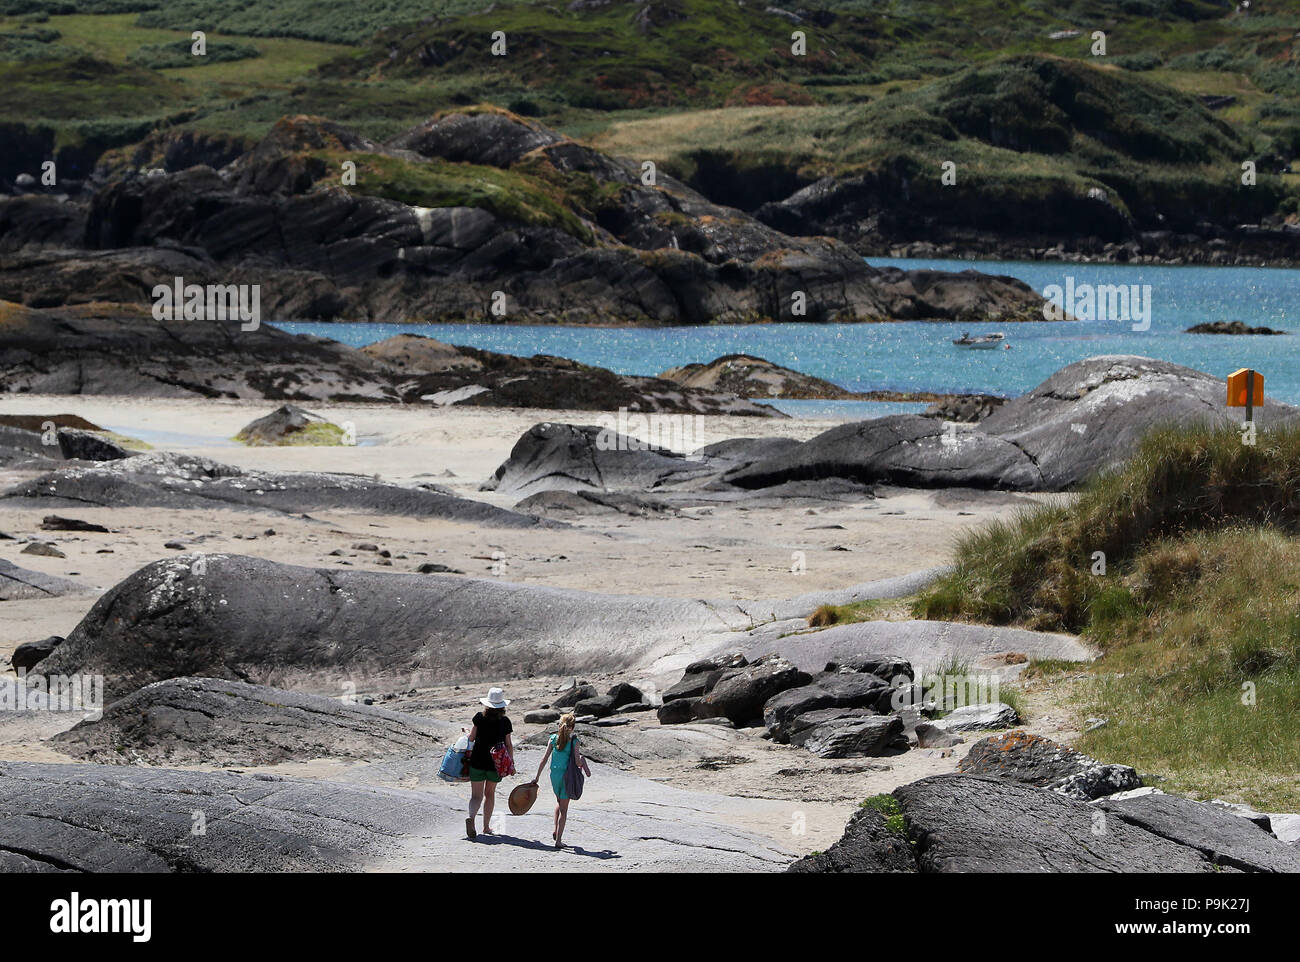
column 1245, row 390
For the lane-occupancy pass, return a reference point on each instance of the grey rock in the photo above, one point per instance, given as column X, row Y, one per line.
column 633, row 708
column 888, row 667
column 932, row 736
column 182, row 481
column 433, row 568
column 964, row 823
column 541, row 716
column 553, row 456
column 679, row 711
column 19, row 583
column 854, row 690
column 572, row 696
column 624, row 694
column 52, row 522
column 1097, row 395
column 978, row 718
column 692, row 685
column 598, row 707
column 29, row 654
column 923, row 644
column 741, row 695
column 1226, row 839
column 80, row 445
column 93, row 818
column 98, row 818
column 904, row 449
column 732, row 659
column 841, row 733
column 186, row 721
column 868, row 845
column 231, row 616
column 43, row 549
column 1034, row 760
column 280, row 425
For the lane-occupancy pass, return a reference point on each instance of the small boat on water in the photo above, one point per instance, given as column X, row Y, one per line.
column 985, row 342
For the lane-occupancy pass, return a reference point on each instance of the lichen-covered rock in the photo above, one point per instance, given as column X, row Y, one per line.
column 1028, row 759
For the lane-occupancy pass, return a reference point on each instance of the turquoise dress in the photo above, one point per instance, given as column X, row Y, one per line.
column 559, row 763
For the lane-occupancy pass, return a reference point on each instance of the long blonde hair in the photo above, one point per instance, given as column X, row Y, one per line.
column 567, row 721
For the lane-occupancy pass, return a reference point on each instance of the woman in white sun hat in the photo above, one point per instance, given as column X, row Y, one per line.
column 487, row 764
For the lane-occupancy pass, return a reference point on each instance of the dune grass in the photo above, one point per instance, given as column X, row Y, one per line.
column 1197, row 616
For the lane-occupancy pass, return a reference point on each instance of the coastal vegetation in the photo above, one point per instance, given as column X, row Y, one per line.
column 1192, row 603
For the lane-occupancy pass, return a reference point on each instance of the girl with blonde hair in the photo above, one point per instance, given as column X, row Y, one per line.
column 562, row 749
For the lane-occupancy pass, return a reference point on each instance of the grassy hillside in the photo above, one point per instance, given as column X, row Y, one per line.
column 710, row 87
column 1197, row 614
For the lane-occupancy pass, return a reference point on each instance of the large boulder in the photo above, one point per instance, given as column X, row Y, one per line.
column 741, row 694
column 1225, row 838
column 1085, row 418
column 904, row 449
column 235, row 617
column 166, row 480
column 868, row 845
column 1028, row 759
column 555, row 456
column 848, row 733
column 968, row 718
column 850, row 690
column 964, row 823
column 286, row 425
column 1090, row 415
column 753, row 377
column 190, row 721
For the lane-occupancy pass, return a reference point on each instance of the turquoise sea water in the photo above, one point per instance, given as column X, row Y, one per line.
column 920, row 357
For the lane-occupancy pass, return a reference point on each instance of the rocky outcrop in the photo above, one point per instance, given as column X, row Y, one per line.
column 741, row 693
column 101, row 818
column 464, row 376
column 1230, row 327
column 160, row 479
column 754, row 377
column 17, row 584
column 868, row 845
column 582, row 241
column 103, row 349
column 1087, row 417
column 553, row 456
column 247, row 619
column 290, row 424
column 1034, row 760
column 964, row 823
column 1225, row 838
column 98, row 349
column 849, row 690
column 190, row 721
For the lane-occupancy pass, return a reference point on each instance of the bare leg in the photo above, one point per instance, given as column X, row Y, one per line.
column 475, row 800
column 561, row 817
column 489, row 800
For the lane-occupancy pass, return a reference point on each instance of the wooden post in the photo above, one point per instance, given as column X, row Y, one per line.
column 1250, row 396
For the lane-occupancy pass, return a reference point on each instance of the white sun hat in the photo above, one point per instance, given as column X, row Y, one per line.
column 496, row 698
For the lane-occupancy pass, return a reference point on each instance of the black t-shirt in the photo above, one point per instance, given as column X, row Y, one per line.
column 491, row 730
